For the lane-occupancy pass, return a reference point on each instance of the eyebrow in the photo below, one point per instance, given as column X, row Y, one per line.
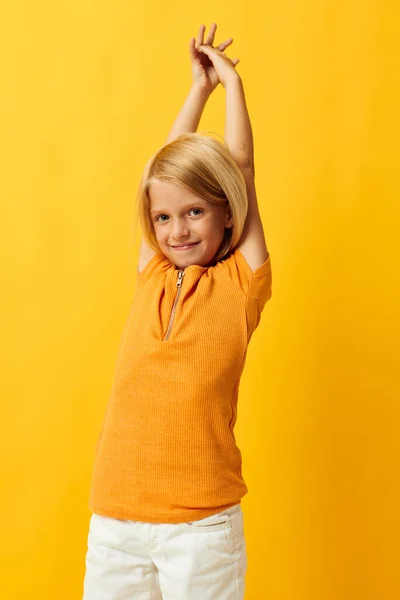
column 196, row 203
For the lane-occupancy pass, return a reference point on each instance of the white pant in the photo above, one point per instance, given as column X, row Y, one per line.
column 198, row 560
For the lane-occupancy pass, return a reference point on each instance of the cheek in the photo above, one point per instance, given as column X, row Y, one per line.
column 208, row 224
column 212, row 226
column 159, row 236
column 159, row 232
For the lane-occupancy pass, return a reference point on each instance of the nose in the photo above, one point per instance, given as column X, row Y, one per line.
column 179, row 231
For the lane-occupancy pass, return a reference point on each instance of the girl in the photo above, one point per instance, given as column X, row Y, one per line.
column 167, row 480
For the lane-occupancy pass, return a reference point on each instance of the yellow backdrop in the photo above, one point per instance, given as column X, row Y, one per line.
column 89, row 91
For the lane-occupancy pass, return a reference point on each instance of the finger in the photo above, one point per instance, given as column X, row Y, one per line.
column 200, row 36
column 206, row 49
column 212, row 53
column 211, row 34
column 225, row 44
column 235, row 61
column 192, row 48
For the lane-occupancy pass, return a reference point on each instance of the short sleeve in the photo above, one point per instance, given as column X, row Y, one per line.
column 258, row 289
column 259, row 281
column 157, row 263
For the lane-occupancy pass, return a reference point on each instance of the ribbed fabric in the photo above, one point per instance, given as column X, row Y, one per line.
column 166, row 452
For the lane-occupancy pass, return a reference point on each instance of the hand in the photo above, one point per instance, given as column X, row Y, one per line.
column 206, row 74
column 223, row 66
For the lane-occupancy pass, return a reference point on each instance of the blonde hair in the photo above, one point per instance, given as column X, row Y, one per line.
column 205, row 166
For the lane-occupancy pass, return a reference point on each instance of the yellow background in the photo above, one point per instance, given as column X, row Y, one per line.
column 89, row 91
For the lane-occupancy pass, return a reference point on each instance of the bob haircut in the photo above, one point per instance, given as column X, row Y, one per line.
column 205, row 166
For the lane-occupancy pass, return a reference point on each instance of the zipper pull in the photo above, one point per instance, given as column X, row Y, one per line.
column 180, row 277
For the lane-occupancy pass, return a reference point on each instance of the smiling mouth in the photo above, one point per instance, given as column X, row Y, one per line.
column 185, row 247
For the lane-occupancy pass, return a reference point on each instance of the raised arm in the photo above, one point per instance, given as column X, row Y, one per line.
column 239, row 138
column 204, row 81
column 238, row 132
column 189, row 116
column 187, row 121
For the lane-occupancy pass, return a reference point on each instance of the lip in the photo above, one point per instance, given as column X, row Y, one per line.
column 186, row 247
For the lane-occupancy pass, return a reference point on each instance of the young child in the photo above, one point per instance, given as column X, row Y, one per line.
column 167, row 479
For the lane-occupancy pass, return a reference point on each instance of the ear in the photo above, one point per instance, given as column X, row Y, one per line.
column 228, row 218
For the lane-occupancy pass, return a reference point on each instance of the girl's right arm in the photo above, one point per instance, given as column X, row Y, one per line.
column 187, row 121
column 189, row 116
column 205, row 80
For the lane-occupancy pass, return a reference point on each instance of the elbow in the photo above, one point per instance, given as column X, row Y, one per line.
column 247, row 168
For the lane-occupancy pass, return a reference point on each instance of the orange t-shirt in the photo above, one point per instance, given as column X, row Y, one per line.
column 166, row 452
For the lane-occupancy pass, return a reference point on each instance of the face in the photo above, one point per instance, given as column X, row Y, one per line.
column 180, row 217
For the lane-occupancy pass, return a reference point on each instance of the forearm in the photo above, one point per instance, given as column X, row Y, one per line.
column 238, row 132
column 189, row 116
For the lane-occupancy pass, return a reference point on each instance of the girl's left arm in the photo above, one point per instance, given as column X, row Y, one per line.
column 238, row 132
column 239, row 138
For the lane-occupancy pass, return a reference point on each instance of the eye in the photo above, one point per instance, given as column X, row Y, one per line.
column 163, row 215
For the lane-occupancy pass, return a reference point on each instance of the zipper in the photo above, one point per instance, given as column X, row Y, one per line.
column 172, row 317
